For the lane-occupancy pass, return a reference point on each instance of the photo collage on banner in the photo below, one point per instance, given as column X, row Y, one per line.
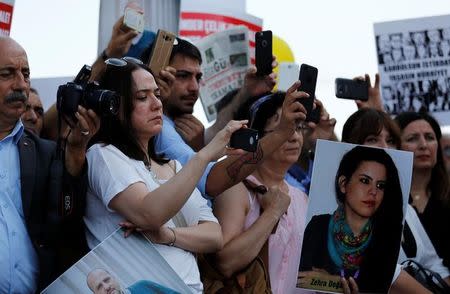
column 414, row 65
column 354, row 223
column 126, row 265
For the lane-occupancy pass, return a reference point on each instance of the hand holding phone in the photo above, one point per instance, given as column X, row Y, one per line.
column 161, row 51
column 134, row 20
column 352, row 89
column 308, row 79
column 245, row 139
column 263, row 53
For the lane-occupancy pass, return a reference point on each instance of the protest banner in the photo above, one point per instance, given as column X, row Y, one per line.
column 6, row 12
column 199, row 19
column 126, row 265
column 226, row 59
column 414, row 65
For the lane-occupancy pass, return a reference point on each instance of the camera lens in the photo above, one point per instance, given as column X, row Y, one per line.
column 105, row 102
column 264, row 43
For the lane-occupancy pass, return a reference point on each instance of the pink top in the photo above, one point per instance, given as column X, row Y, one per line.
column 286, row 244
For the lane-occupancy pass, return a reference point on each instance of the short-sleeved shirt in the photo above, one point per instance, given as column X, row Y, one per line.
column 111, row 172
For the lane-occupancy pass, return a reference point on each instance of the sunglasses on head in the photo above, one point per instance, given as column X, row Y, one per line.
column 120, row 62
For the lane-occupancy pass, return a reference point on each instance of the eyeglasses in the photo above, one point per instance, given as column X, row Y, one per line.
column 121, row 62
column 301, row 127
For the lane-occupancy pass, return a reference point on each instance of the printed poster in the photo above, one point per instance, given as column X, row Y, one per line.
column 120, row 265
column 199, row 19
column 358, row 200
column 226, row 58
column 414, row 65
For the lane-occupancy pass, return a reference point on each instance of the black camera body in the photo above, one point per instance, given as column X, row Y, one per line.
column 87, row 94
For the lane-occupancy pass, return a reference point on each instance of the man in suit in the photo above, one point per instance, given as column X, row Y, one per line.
column 37, row 190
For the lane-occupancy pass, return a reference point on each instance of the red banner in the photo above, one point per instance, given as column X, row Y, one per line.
column 6, row 11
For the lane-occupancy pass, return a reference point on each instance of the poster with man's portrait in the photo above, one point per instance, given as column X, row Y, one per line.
column 414, row 65
column 120, row 265
column 357, row 204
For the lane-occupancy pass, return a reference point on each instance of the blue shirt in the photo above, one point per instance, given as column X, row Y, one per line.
column 18, row 260
column 145, row 40
column 143, row 287
column 169, row 142
column 298, row 178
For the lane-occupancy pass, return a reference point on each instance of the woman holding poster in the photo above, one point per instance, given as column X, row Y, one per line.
column 358, row 240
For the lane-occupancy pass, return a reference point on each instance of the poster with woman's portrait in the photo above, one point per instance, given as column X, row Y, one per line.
column 120, row 265
column 358, row 200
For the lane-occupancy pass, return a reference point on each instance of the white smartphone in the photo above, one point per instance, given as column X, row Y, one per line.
column 287, row 75
column 134, row 20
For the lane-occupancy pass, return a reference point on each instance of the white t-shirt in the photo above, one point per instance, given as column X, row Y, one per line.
column 110, row 172
column 426, row 254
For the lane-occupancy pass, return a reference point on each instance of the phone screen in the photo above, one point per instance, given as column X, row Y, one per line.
column 134, row 20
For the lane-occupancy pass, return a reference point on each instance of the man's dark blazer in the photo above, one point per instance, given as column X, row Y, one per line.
column 43, row 185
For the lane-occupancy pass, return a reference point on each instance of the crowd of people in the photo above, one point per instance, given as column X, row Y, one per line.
column 234, row 225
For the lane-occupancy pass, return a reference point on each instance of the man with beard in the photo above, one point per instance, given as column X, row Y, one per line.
column 218, row 177
column 33, row 180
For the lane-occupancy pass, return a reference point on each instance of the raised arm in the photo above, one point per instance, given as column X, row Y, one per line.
column 253, row 86
column 374, row 100
column 232, row 170
column 150, row 210
column 118, row 46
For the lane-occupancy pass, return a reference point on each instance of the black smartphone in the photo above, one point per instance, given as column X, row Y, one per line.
column 245, row 139
column 263, row 53
column 352, row 89
column 308, row 79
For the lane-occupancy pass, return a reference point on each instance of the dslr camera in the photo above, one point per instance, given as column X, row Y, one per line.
column 87, row 94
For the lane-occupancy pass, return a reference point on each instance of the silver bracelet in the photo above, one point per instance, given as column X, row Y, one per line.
column 174, row 237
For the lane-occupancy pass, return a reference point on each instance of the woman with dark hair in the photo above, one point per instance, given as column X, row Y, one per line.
column 129, row 182
column 269, row 211
column 363, row 230
column 430, row 188
column 371, row 127
column 416, row 244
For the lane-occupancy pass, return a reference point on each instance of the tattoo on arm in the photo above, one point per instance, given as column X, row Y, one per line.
column 249, row 158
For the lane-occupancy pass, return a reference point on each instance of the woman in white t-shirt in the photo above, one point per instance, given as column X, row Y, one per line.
column 128, row 181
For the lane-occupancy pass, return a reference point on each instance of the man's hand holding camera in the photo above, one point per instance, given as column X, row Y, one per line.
column 78, row 135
